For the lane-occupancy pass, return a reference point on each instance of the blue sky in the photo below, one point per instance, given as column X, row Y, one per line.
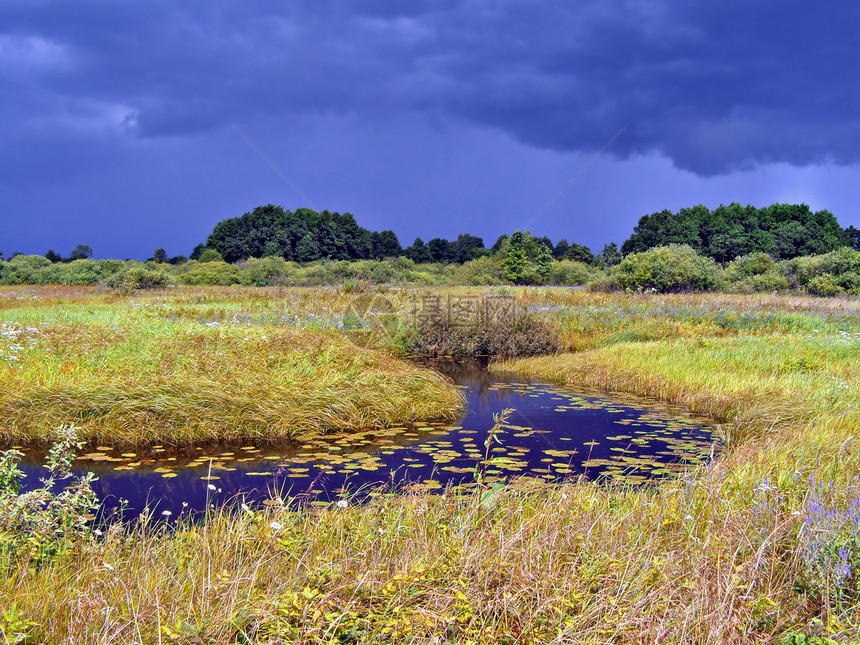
column 126, row 125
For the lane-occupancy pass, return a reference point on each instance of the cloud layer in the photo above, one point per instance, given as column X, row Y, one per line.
column 714, row 87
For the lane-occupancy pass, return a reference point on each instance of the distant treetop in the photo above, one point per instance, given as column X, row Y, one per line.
column 783, row 231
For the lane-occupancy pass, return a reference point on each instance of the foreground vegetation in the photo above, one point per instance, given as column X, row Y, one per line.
column 762, row 545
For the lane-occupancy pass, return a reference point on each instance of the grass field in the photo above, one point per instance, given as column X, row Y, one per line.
column 762, row 545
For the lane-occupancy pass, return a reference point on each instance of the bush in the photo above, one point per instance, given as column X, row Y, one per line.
column 569, row 273
column 37, row 525
column 88, row 272
column 762, row 283
column 29, row 269
column 840, row 268
column 605, row 284
column 210, row 255
column 267, row 271
column 489, row 325
column 756, row 272
column 137, row 276
column 211, row 273
column 672, row 268
column 479, row 272
column 824, row 285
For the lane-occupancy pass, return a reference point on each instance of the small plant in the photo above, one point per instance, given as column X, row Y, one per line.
column 41, row 523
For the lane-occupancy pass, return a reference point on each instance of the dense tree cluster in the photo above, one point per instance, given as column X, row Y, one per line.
column 303, row 235
column 783, row 231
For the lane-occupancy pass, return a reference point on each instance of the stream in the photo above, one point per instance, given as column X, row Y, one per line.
column 553, row 434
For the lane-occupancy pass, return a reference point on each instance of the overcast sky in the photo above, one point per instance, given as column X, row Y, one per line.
column 136, row 124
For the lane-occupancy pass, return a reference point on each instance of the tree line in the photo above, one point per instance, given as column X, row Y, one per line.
column 783, row 231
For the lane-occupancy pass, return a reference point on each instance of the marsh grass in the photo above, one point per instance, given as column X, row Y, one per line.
column 126, row 371
column 760, row 545
column 574, row 563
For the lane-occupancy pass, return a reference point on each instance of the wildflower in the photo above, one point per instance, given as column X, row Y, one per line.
column 342, row 503
column 277, row 526
column 166, row 513
column 97, row 533
column 245, row 507
column 211, row 487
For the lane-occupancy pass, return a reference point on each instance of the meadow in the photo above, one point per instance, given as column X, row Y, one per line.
column 760, row 545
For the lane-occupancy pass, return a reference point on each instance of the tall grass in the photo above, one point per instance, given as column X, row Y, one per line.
column 138, row 372
column 761, row 545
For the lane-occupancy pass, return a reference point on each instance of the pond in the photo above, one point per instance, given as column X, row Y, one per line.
column 552, row 434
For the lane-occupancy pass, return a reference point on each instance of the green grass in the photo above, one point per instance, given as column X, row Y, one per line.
column 747, row 549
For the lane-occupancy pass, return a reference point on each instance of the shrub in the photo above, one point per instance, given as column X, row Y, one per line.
column 36, row 525
column 88, row 272
column 756, row 272
column 271, row 270
column 487, row 325
column 824, row 285
column 479, row 272
column 840, row 268
column 761, row 283
column 210, row 255
column 29, row 269
column 670, row 268
column 605, row 284
column 211, row 273
column 135, row 276
column 570, row 273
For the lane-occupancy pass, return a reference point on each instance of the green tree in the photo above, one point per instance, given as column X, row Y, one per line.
column 160, row 256
column 307, row 249
column 852, row 236
column 384, row 244
column 466, row 247
column 209, row 255
column 81, row 252
column 52, row 255
column 440, row 249
column 196, row 251
column 526, row 260
column 418, row 252
column 515, row 263
column 499, row 243
column 579, row 253
column 609, row 256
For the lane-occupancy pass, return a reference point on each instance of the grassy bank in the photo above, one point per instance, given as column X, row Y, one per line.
column 132, row 370
column 762, row 545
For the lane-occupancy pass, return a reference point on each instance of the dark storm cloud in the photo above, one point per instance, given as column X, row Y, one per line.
column 713, row 86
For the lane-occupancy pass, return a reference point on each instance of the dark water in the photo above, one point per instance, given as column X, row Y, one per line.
column 552, row 434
